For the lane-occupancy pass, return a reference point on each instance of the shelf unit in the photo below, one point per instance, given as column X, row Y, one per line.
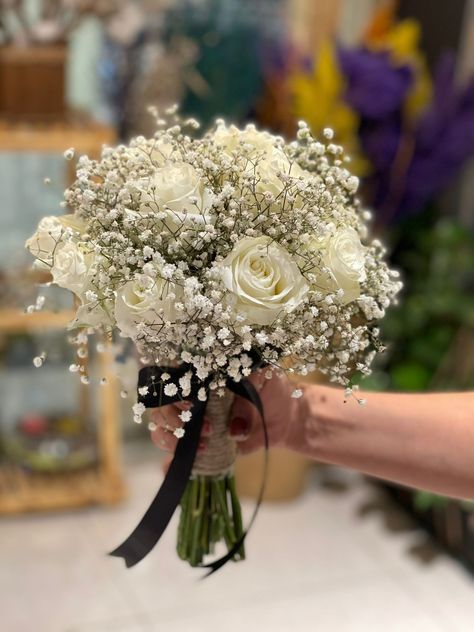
column 22, row 491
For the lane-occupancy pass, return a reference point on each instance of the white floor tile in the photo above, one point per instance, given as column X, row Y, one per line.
column 55, row 592
column 364, row 606
column 314, row 564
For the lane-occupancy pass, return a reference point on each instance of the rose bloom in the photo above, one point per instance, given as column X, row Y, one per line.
column 263, row 280
column 177, row 190
column 70, row 266
column 270, row 169
column 93, row 314
column 267, row 160
column 70, row 263
column 162, row 152
column 48, row 235
column 343, row 256
column 231, row 138
column 145, row 301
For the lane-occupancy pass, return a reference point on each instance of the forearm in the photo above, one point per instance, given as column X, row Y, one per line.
column 423, row 441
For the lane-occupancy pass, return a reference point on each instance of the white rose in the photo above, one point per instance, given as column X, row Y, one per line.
column 161, row 153
column 48, row 235
column 177, row 190
column 70, row 267
column 344, row 257
column 231, row 138
column 93, row 314
column 270, row 170
column 145, row 301
column 263, row 279
column 270, row 160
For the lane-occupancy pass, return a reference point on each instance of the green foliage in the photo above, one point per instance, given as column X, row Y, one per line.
column 425, row 500
column 436, row 258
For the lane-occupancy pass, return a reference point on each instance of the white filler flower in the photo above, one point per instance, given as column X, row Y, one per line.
column 202, row 249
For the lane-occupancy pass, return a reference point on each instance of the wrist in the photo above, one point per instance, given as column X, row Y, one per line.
column 299, row 415
column 313, row 422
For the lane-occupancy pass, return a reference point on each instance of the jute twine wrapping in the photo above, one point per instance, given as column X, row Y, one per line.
column 219, row 456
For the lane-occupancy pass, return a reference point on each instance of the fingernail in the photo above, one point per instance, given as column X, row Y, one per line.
column 206, row 426
column 239, row 428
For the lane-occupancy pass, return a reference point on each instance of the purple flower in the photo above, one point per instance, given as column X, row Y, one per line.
column 375, row 86
column 444, row 139
column 380, row 141
column 413, row 164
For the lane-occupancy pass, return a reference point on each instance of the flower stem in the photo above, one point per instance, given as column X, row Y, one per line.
column 196, row 554
column 236, row 513
column 183, row 523
column 210, row 512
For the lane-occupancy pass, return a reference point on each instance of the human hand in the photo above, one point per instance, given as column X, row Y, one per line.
column 281, row 410
column 282, row 414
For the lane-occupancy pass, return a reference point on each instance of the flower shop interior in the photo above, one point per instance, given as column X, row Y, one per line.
column 331, row 549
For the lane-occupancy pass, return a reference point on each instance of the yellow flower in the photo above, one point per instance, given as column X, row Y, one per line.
column 318, row 99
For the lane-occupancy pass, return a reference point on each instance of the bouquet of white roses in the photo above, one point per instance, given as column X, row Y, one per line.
column 219, row 255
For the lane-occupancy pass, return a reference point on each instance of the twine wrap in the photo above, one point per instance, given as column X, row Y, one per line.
column 219, row 455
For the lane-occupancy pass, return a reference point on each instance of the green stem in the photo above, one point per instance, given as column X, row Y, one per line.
column 197, row 516
column 206, row 523
column 182, row 531
column 229, row 534
column 236, row 513
column 188, row 518
column 214, row 535
column 210, row 512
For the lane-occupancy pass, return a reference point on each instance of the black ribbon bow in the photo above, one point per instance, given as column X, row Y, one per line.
column 153, row 524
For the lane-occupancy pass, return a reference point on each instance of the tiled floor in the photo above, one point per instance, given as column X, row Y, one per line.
column 336, row 560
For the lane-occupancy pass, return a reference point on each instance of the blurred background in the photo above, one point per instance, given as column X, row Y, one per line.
column 330, row 550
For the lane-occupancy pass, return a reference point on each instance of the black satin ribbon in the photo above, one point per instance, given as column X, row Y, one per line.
column 153, row 524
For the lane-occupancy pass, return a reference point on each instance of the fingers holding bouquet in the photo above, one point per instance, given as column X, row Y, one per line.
column 168, row 427
column 245, row 425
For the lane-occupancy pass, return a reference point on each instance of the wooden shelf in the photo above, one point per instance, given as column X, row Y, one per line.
column 14, row 320
column 87, row 137
column 22, row 491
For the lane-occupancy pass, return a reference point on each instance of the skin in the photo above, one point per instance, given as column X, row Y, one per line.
column 419, row 440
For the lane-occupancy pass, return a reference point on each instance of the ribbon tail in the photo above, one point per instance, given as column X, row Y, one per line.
column 156, row 519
